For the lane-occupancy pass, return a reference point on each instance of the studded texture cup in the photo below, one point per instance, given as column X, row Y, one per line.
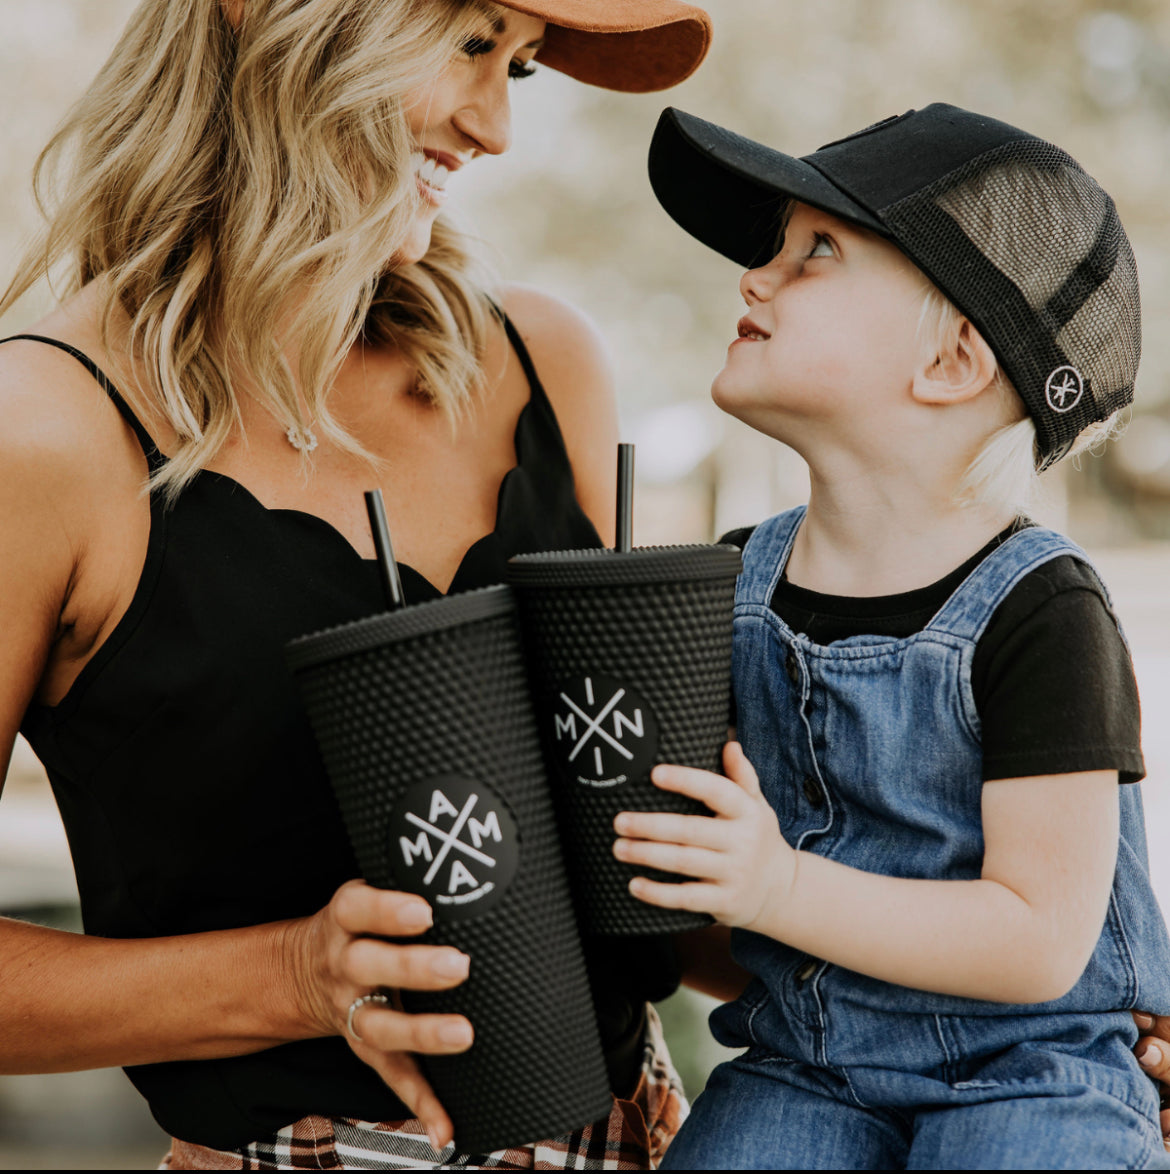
column 630, row 664
column 427, row 732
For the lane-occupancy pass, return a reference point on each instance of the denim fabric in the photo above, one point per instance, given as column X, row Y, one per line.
column 869, row 751
column 1038, row 1108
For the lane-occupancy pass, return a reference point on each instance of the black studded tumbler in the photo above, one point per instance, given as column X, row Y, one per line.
column 630, row 664
column 426, row 728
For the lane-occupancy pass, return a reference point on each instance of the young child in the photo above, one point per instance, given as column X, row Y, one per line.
column 936, row 880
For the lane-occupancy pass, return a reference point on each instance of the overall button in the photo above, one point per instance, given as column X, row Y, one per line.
column 792, row 667
column 812, row 791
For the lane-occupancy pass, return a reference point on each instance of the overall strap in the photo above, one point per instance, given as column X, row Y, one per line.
column 154, row 458
column 765, row 555
column 968, row 612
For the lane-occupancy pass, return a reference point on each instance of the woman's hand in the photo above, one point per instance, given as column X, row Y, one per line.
column 1153, row 1053
column 743, row 865
column 341, row 956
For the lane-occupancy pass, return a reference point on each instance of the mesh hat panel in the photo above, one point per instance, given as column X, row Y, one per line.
column 1030, row 248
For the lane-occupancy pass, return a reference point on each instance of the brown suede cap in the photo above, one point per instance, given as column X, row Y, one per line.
column 631, row 45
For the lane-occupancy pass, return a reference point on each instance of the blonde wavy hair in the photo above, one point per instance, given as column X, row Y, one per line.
column 210, row 170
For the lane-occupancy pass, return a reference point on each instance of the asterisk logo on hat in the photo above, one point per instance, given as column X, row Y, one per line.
column 1064, row 389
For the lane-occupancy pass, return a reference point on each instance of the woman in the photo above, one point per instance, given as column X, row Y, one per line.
column 268, row 315
column 247, row 206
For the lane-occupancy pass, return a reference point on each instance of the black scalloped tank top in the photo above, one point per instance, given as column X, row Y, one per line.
column 184, row 768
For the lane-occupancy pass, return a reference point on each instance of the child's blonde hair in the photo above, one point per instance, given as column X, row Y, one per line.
column 239, row 186
column 1002, row 476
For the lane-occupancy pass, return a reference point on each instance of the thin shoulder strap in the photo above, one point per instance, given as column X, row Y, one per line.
column 150, row 450
column 525, row 358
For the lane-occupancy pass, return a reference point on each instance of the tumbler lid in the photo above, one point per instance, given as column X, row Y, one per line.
column 384, row 628
column 592, row 567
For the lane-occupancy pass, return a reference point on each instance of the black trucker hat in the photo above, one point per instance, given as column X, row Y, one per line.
column 1008, row 226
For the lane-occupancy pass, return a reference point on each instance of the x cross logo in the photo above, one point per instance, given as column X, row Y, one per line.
column 602, row 743
column 453, row 840
column 593, row 724
column 450, row 839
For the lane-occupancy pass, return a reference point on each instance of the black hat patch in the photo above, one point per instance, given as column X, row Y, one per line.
column 454, row 841
column 1064, row 389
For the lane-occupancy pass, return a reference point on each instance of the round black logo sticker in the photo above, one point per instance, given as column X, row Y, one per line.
column 454, row 842
column 603, row 732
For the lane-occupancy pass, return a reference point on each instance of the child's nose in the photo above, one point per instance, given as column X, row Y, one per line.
column 757, row 285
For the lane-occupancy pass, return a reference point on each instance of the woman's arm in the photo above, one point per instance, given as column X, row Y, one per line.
column 71, row 1001
column 1022, row 933
column 574, row 367
column 704, row 957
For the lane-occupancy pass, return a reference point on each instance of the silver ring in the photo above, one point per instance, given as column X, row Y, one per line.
column 361, row 1001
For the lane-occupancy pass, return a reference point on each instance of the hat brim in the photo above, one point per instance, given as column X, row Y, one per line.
column 636, row 46
column 729, row 191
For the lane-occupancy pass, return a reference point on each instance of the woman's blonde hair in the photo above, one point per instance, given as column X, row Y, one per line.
column 1002, row 475
column 239, row 187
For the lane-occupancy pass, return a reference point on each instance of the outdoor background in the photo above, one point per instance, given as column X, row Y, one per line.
column 570, row 209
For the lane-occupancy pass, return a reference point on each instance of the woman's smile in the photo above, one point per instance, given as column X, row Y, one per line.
column 431, row 171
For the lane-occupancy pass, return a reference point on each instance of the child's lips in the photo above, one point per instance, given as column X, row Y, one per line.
column 750, row 331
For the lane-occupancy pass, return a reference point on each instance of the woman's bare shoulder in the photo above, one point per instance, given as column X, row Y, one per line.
column 56, row 421
column 573, row 363
column 46, row 503
column 71, row 472
column 73, row 519
column 562, row 339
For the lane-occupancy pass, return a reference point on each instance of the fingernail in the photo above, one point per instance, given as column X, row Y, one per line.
column 451, row 964
column 416, row 915
column 455, row 1034
column 1144, row 1021
column 619, row 848
column 1150, row 1056
column 619, row 822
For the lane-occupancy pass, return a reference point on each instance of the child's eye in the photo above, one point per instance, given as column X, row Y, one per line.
column 822, row 247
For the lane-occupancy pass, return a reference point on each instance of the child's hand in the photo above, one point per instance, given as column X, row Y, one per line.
column 743, row 865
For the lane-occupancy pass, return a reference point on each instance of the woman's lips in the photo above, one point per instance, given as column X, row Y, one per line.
column 432, row 195
column 431, row 170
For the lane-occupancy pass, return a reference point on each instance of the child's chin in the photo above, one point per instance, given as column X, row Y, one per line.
column 729, row 396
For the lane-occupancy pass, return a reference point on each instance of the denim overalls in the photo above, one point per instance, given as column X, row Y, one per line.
column 869, row 752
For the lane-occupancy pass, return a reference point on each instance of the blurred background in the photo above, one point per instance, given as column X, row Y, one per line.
column 570, row 210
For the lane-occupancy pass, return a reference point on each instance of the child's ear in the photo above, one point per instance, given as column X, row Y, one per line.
column 959, row 372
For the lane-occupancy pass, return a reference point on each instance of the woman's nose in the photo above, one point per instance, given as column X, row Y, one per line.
column 486, row 116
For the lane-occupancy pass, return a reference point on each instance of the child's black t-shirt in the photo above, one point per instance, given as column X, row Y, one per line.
column 1052, row 678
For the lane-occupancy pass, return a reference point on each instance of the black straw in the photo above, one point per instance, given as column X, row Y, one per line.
column 391, row 583
column 625, row 498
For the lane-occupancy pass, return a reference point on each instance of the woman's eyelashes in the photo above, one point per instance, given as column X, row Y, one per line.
column 475, row 47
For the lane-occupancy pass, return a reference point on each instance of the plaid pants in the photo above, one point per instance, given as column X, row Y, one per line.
column 633, row 1137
